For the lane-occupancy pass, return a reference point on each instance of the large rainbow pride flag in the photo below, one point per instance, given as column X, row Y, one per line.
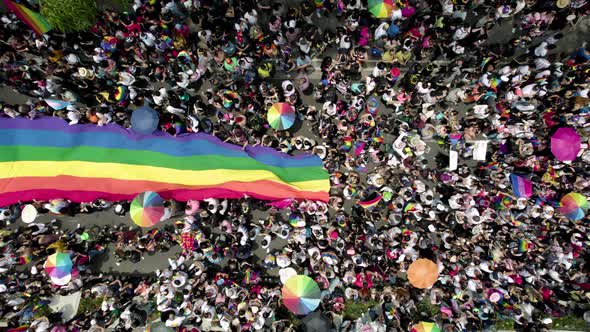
column 46, row 158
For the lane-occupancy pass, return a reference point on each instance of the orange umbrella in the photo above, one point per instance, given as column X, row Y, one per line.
column 423, row 273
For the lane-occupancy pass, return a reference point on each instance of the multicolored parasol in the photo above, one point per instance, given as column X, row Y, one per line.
column 381, row 8
column 58, row 265
column 301, row 295
column 425, row 327
column 423, row 273
column 281, row 116
column 565, row 144
column 147, row 209
column 573, row 206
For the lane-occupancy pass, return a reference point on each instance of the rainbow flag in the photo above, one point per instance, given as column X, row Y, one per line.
column 24, row 259
column 521, row 187
column 371, row 202
column 34, row 20
column 19, row 329
column 46, row 159
column 523, row 245
column 409, row 207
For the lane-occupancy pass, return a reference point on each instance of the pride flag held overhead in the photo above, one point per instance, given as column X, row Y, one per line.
column 46, row 158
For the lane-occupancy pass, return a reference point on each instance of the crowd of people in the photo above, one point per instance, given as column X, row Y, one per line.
column 385, row 103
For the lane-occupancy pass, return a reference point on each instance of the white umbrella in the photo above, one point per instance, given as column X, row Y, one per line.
column 29, row 214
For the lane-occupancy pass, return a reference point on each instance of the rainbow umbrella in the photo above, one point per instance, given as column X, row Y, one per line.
column 58, row 265
column 425, row 327
column 565, row 144
column 147, row 209
column 573, row 206
column 381, row 8
column 301, row 295
column 281, row 116
column 33, row 19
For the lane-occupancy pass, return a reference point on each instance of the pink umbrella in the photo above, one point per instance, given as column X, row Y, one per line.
column 565, row 144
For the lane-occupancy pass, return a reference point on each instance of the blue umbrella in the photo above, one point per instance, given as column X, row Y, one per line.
column 144, row 120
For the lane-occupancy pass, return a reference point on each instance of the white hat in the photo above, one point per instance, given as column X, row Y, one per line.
column 562, row 3
column 72, row 59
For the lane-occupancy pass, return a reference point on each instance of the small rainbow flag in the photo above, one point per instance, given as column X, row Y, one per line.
column 359, row 147
column 184, row 55
column 455, row 138
column 24, row 259
column 523, row 245
column 347, row 143
column 494, row 82
column 34, row 20
column 371, row 202
column 121, row 93
column 485, row 62
column 378, row 136
column 409, row 207
column 521, row 187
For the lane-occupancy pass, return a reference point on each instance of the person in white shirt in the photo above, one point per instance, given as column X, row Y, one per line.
column 251, row 17
column 148, row 38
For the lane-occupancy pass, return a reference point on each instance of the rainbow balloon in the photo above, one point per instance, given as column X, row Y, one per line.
column 46, row 158
column 34, row 20
column 371, row 202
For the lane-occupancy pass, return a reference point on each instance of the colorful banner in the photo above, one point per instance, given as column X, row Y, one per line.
column 46, row 158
